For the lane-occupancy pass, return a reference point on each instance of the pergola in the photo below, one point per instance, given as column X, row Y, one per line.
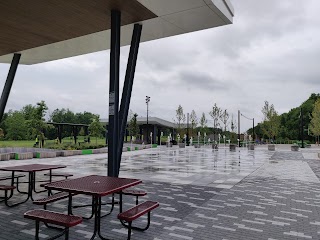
column 38, row 31
column 74, row 126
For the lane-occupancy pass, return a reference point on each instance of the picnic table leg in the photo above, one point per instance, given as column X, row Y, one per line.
column 17, row 183
column 120, row 207
column 130, row 227
column 70, row 204
column 98, row 220
column 37, row 230
column 112, row 207
column 34, row 184
column 96, row 217
column 87, row 205
column 12, row 184
column 29, row 194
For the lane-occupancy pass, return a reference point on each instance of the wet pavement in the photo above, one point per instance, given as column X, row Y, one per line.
column 203, row 194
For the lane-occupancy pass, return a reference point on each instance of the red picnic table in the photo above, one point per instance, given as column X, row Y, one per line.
column 31, row 169
column 97, row 187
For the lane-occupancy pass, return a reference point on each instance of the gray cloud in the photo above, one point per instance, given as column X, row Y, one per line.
column 200, row 80
column 269, row 53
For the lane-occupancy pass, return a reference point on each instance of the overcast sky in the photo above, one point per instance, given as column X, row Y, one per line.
column 271, row 52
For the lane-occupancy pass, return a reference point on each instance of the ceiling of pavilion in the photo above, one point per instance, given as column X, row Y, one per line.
column 54, row 29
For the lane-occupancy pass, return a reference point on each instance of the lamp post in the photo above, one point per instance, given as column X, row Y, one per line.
column 252, row 126
column 147, row 102
column 301, row 122
column 187, row 136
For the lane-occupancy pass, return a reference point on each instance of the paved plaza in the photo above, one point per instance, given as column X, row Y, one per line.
column 203, row 194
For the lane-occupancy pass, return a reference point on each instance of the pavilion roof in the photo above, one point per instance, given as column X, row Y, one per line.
column 55, row 29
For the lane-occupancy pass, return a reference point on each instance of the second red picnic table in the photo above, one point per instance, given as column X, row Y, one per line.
column 97, row 187
column 31, row 169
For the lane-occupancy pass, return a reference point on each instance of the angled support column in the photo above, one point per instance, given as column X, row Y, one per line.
column 127, row 88
column 8, row 84
column 113, row 127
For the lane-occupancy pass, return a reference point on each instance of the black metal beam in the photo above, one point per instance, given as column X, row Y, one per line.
column 113, row 126
column 127, row 87
column 8, row 84
column 253, row 136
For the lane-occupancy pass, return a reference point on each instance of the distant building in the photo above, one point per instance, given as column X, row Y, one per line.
column 155, row 125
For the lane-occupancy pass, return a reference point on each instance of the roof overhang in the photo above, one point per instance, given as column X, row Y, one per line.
column 55, row 29
column 151, row 121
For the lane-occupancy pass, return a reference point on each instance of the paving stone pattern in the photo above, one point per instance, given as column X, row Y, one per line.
column 203, row 194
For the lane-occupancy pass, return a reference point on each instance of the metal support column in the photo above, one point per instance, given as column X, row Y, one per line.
column 8, row 84
column 113, row 126
column 302, row 128
column 127, row 88
column 159, row 136
column 154, row 134
column 253, row 136
column 239, row 127
column 188, row 139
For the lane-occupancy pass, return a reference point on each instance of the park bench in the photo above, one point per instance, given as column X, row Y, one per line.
column 136, row 212
column 55, row 218
column 295, row 148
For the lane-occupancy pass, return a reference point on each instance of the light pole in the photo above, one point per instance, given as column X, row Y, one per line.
column 147, row 102
column 252, row 126
column 187, row 137
column 238, row 128
column 301, row 122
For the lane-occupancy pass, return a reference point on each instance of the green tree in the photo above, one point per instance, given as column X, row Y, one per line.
column 180, row 118
column 83, row 118
column 193, row 120
column 16, row 127
column 271, row 123
column 315, row 119
column 1, row 134
column 225, row 119
column 96, row 129
column 64, row 116
column 203, row 123
column 36, row 123
column 216, row 114
column 133, row 125
column 233, row 126
column 82, row 132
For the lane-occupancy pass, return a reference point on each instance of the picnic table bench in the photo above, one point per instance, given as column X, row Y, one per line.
column 49, row 217
column 136, row 212
column 66, row 175
column 6, row 188
column 10, row 177
column 50, row 199
column 133, row 192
